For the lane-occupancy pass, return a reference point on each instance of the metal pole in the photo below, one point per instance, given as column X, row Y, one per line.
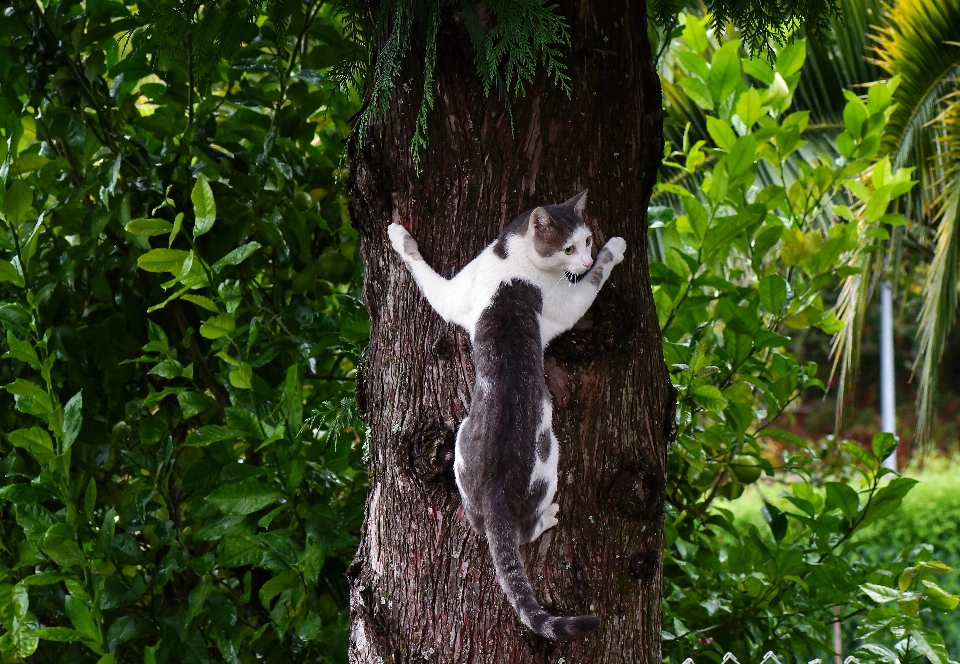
column 887, row 403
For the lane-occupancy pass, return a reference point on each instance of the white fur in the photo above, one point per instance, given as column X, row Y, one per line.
column 463, row 298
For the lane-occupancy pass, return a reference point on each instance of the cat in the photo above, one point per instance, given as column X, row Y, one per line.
column 535, row 281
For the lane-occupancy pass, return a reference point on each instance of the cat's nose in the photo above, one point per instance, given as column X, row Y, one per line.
column 588, row 263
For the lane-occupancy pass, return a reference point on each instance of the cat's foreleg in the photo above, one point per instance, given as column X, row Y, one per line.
column 443, row 294
column 610, row 255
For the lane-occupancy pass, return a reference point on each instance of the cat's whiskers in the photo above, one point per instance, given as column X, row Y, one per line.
column 563, row 278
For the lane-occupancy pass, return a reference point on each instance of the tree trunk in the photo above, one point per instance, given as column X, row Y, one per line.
column 422, row 585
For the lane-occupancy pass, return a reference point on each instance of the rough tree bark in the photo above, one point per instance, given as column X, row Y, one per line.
column 422, row 584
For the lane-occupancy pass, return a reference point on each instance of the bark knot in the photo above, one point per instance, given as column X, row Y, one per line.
column 427, row 453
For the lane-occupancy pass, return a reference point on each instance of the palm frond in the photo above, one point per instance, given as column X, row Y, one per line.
column 942, row 287
column 851, row 310
column 919, row 42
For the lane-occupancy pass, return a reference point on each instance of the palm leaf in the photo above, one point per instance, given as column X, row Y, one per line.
column 919, row 42
column 851, row 310
column 941, row 290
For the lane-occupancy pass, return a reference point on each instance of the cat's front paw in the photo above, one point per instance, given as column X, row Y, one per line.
column 616, row 246
column 403, row 242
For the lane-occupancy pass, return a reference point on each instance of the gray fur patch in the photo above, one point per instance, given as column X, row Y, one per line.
column 604, row 258
column 411, row 248
column 544, row 444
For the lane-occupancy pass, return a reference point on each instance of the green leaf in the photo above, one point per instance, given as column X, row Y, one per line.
column 695, row 34
column 883, row 445
column 177, row 224
column 22, row 350
column 854, row 115
column 218, row 326
column 34, row 440
column 244, row 497
column 148, row 227
column 162, row 260
column 23, row 388
column 886, row 501
column 760, row 69
column 697, row 91
column 79, row 615
column 725, row 75
column 242, row 377
column 800, row 247
column 73, row 418
column 236, row 256
column 10, row 273
column 741, row 157
column 211, row 434
column 749, row 107
column 880, row 594
column 60, row 544
column 938, row 597
column 877, row 205
column 841, row 496
column 204, row 207
column 768, row 339
column 930, row 644
column 773, row 292
column 61, row 634
column 708, row 397
column 723, row 231
column 790, row 59
column 721, row 132
column 17, row 202
column 202, row 301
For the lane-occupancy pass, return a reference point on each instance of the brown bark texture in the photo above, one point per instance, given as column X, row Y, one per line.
column 422, row 584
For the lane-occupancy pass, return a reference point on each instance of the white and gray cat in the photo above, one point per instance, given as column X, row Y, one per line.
column 531, row 284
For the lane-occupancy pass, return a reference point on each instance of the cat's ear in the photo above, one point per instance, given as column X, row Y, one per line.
column 578, row 203
column 540, row 219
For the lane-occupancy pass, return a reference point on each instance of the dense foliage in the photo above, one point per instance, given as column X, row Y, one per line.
column 180, row 472
column 769, row 228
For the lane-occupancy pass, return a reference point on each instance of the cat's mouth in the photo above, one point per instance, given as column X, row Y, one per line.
column 573, row 277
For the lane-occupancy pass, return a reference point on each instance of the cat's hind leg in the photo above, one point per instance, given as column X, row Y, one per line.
column 476, row 520
column 474, row 516
column 548, row 519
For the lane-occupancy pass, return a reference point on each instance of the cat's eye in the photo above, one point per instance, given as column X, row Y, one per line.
column 588, row 241
column 568, row 250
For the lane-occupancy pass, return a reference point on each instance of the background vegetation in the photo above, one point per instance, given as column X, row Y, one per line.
column 769, row 227
column 182, row 479
column 181, row 464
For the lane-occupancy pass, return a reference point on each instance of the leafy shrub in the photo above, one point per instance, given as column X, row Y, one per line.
column 767, row 229
column 180, row 470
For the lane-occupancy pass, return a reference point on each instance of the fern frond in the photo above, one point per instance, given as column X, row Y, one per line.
column 426, row 104
column 380, row 83
column 520, row 36
column 760, row 22
column 351, row 69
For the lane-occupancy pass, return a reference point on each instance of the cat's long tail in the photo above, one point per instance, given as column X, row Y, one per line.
column 512, row 576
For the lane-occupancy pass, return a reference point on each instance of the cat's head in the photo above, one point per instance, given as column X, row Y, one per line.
column 561, row 240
